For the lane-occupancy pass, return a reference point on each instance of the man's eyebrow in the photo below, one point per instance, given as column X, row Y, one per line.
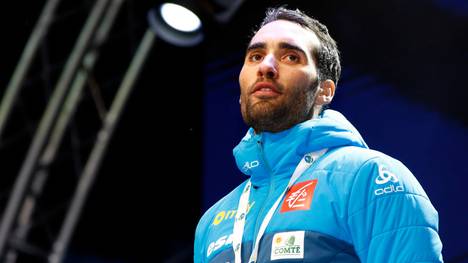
column 258, row 45
column 282, row 45
column 285, row 45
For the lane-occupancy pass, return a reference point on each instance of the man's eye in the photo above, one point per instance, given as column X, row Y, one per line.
column 255, row 57
column 291, row 58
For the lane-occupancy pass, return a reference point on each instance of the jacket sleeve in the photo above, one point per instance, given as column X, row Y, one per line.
column 197, row 246
column 390, row 217
column 198, row 249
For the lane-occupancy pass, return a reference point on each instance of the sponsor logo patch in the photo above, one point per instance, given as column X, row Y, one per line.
column 385, row 176
column 221, row 242
column 228, row 214
column 386, row 182
column 299, row 197
column 288, row 245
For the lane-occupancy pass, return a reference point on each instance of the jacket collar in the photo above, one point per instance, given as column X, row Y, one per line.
column 267, row 155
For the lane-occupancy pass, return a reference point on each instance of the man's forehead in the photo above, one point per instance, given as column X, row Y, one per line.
column 286, row 31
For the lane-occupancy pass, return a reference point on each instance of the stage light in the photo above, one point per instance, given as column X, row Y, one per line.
column 176, row 24
column 180, row 17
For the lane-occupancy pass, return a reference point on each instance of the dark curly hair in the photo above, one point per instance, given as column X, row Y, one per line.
column 327, row 55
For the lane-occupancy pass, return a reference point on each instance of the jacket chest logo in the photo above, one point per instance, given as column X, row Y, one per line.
column 287, row 245
column 299, row 197
column 249, row 165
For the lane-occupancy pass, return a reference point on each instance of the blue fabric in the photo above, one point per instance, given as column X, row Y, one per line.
column 362, row 197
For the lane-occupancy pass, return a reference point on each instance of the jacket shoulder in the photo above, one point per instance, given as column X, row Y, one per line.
column 348, row 159
column 203, row 228
column 370, row 171
column 227, row 201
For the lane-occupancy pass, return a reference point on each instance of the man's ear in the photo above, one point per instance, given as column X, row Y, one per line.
column 325, row 93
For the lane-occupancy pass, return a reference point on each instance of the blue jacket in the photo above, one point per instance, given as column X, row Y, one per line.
column 352, row 205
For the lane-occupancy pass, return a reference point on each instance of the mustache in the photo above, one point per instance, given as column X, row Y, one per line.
column 276, row 85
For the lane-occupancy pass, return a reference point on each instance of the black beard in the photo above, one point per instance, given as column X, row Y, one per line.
column 265, row 116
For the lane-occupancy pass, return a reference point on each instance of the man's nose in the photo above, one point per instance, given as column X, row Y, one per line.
column 268, row 68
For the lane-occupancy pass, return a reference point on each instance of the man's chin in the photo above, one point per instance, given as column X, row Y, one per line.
column 264, row 106
column 261, row 114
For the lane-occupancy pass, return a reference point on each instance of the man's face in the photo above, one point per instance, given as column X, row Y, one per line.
column 279, row 77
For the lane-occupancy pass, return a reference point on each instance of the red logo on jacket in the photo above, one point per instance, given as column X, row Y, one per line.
column 299, row 197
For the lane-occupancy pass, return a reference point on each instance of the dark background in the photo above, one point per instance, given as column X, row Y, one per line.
column 403, row 86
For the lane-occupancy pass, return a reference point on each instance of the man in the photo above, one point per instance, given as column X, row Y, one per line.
column 315, row 192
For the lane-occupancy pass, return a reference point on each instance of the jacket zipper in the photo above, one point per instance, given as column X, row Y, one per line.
column 270, row 192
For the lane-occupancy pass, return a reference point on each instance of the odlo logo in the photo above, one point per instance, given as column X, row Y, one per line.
column 386, row 177
column 249, row 165
column 288, row 245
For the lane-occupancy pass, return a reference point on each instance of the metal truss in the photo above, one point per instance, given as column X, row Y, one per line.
column 22, row 212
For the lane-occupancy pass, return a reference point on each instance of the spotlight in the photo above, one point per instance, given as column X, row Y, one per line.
column 176, row 24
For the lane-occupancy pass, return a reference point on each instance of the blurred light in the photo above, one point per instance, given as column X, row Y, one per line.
column 183, row 22
column 180, row 17
column 176, row 24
